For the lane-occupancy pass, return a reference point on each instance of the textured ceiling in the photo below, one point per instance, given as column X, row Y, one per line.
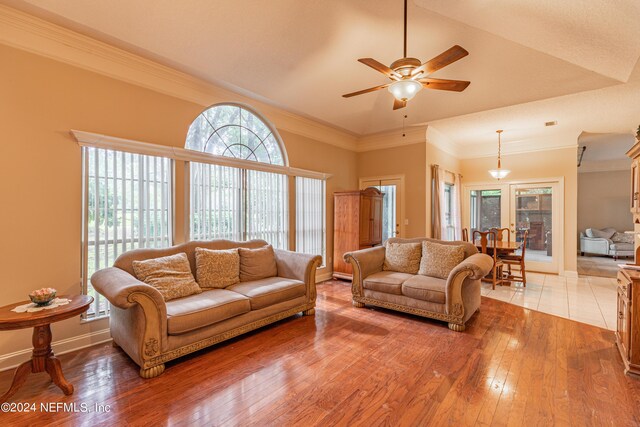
column 302, row 55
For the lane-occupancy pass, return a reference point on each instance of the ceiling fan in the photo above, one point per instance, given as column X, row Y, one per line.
column 408, row 75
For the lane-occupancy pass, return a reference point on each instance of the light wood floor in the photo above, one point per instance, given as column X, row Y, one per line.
column 349, row 366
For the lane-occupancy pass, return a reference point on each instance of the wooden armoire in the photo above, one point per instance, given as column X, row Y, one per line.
column 357, row 224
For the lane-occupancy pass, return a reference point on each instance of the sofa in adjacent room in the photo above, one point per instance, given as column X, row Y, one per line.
column 153, row 326
column 427, row 277
column 607, row 242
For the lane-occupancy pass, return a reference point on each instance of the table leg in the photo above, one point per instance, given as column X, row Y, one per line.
column 22, row 372
column 41, row 361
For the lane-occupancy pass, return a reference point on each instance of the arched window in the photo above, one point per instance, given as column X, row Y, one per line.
column 234, row 130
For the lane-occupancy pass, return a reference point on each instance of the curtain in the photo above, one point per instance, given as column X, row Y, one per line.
column 457, row 206
column 436, row 197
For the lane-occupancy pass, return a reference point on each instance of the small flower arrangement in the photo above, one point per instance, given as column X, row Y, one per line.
column 43, row 296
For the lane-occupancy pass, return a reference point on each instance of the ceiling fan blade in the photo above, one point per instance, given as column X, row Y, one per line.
column 445, row 58
column 380, row 67
column 444, row 84
column 399, row 104
column 360, row 92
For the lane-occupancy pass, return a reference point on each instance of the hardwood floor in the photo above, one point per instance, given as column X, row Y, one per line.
column 349, row 366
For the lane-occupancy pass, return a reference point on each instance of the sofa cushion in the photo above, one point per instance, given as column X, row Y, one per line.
column 621, row 247
column 622, row 237
column 217, row 268
column 425, row 288
column 265, row 292
column 197, row 311
column 605, row 233
column 389, row 282
column 402, row 257
column 438, row 260
column 170, row 275
column 256, row 264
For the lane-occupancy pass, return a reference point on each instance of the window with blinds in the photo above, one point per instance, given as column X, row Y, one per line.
column 310, row 216
column 238, row 204
column 127, row 204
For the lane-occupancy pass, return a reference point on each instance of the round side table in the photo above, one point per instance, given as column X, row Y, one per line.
column 43, row 358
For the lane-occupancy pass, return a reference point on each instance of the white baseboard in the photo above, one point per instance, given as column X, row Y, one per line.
column 324, row 276
column 572, row 274
column 11, row 360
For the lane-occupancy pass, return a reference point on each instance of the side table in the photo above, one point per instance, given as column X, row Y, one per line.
column 43, row 358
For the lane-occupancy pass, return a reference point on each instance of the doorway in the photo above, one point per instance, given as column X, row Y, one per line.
column 534, row 208
column 392, row 203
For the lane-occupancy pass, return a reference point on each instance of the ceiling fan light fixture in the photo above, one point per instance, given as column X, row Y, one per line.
column 404, row 90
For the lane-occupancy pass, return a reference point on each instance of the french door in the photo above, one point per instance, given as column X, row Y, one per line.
column 531, row 209
column 392, row 188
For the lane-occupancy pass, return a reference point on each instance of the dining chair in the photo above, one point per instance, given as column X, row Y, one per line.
column 513, row 259
column 500, row 233
column 497, row 269
column 465, row 234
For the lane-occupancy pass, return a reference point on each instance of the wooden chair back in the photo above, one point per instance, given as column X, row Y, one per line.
column 485, row 237
column 465, row 234
column 500, row 233
column 525, row 236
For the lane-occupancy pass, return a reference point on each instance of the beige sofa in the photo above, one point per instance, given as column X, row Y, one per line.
column 453, row 300
column 152, row 331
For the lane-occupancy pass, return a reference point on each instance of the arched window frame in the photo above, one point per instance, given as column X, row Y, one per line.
column 272, row 129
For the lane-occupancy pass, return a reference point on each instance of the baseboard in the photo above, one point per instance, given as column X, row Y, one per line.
column 11, row 360
column 324, row 276
column 572, row 274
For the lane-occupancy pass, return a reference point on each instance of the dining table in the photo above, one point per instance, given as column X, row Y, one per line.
column 504, row 247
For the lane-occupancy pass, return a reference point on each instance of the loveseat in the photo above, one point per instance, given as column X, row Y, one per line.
column 453, row 300
column 607, row 242
column 153, row 331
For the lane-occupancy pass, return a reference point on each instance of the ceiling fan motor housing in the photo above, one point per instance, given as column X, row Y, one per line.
column 404, row 66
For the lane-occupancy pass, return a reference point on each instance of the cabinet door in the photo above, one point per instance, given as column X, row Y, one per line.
column 376, row 220
column 365, row 220
column 623, row 322
column 635, row 178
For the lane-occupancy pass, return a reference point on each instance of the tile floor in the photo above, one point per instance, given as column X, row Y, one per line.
column 586, row 299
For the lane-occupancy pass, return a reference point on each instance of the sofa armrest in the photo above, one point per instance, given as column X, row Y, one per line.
column 364, row 262
column 595, row 245
column 118, row 286
column 299, row 266
column 474, row 267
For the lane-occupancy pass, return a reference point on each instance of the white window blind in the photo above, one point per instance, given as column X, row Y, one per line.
column 216, row 202
column 238, row 204
column 127, row 204
column 310, row 216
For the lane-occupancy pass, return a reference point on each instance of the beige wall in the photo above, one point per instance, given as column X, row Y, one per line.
column 40, row 167
column 603, row 200
column 413, row 161
column 537, row 165
column 409, row 162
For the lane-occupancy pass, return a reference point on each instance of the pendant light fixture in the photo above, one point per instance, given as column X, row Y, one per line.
column 499, row 173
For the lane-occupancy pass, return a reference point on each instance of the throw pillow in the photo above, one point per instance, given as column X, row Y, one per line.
column 402, row 257
column 256, row 264
column 622, row 237
column 170, row 275
column 607, row 233
column 438, row 260
column 217, row 268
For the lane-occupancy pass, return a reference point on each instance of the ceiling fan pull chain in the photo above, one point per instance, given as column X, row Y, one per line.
column 403, row 119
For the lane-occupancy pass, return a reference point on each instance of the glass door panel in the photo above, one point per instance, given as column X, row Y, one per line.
column 485, row 207
column 533, row 213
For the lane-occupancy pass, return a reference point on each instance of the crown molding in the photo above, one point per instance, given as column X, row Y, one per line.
column 390, row 139
column 26, row 32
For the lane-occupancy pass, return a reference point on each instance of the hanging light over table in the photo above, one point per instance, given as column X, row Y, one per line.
column 499, row 173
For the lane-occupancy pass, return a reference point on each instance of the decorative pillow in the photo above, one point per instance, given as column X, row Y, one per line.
column 622, row 237
column 600, row 234
column 438, row 260
column 217, row 268
column 256, row 264
column 402, row 257
column 170, row 275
